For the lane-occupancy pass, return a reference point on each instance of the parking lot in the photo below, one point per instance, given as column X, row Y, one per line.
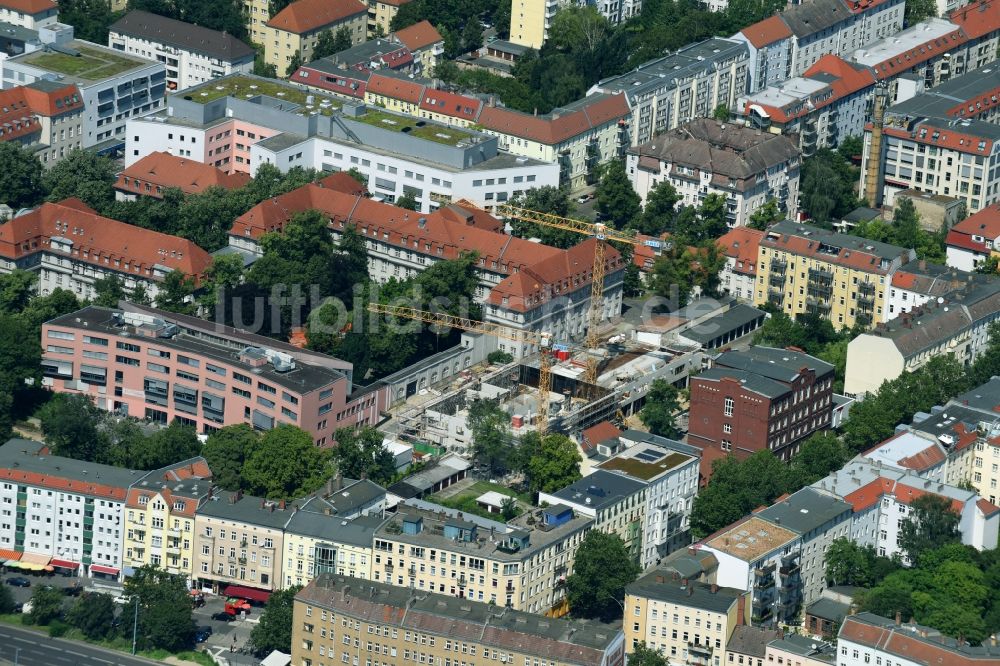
column 226, row 636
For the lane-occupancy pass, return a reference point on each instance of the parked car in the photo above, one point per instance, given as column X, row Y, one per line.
column 584, row 198
column 223, row 616
column 73, row 590
column 202, row 634
column 19, row 581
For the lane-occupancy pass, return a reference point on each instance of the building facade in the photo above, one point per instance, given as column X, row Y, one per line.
column 763, row 399
column 53, row 126
column 918, row 283
column 295, row 29
column 739, row 275
column 866, row 638
column 55, row 513
column 205, row 375
column 390, row 625
column 688, row 622
column 705, row 156
column 135, row 87
column 841, row 277
column 690, row 83
column 970, row 242
column 69, row 246
column 191, row 54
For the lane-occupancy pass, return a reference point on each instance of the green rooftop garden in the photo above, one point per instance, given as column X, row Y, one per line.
column 245, row 88
column 644, row 470
column 92, row 64
column 447, row 135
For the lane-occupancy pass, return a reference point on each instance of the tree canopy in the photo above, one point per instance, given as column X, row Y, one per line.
column 551, row 462
column 285, row 464
column 491, row 437
column 164, row 609
column 226, row 451
column 931, row 523
column 361, row 453
column 617, row 202
column 661, row 407
column 21, row 177
column 274, row 631
column 601, row 570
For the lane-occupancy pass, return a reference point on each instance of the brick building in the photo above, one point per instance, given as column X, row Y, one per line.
column 763, row 398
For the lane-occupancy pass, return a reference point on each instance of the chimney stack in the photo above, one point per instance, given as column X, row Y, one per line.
column 659, row 579
column 899, row 618
column 714, row 588
column 741, row 610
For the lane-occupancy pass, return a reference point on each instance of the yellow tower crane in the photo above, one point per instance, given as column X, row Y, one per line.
column 596, row 230
column 543, row 340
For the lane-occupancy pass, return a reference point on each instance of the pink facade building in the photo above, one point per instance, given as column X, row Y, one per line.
column 161, row 366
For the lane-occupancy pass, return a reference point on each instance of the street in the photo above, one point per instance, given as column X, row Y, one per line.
column 33, row 649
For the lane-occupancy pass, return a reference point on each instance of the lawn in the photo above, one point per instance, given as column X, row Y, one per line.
column 91, row 64
column 448, row 136
column 242, row 86
column 465, row 500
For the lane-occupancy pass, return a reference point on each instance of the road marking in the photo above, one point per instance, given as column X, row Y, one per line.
column 78, row 654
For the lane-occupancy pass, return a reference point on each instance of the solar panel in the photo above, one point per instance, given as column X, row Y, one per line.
column 649, row 455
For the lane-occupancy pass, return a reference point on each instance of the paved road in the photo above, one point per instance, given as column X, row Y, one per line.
column 40, row 650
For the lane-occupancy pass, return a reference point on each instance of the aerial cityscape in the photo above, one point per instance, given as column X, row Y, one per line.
column 605, row 333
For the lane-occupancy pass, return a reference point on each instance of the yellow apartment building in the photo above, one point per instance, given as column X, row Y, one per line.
column 342, row 620
column 318, row 543
column 520, row 565
column 296, row 28
column 238, row 545
column 687, row 621
column 425, row 43
column 258, row 13
column 160, row 517
column 380, row 15
column 843, row 278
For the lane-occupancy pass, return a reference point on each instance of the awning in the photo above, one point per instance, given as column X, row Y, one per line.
column 35, row 558
column 101, row 569
column 28, row 566
column 250, row 593
column 10, row 555
column 65, row 564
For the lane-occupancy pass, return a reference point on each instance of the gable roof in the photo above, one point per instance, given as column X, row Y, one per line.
column 977, row 19
column 770, row 30
column 100, row 241
column 29, row 6
column 812, row 16
column 166, row 170
column 605, row 431
column 182, row 35
column 915, row 644
column 308, row 15
column 395, row 87
column 559, row 125
column 419, row 36
column 740, row 244
column 985, row 223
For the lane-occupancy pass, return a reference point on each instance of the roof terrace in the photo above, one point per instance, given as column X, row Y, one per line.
column 420, row 129
column 247, row 87
column 92, row 64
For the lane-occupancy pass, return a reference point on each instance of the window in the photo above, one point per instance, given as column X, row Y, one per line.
column 728, row 409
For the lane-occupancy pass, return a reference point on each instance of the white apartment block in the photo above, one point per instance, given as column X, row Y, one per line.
column 191, row 54
column 671, row 471
column 136, row 87
column 55, row 512
column 747, row 167
column 690, row 83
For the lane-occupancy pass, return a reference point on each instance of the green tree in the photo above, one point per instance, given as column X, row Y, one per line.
column 472, row 35
column 820, row 454
column 766, row 215
column 906, row 223
column 601, row 570
column 617, row 202
column 17, row 288
column 7, row 601
column 931, row 523
column 489, row 425
column 643, row 655
column 175, row 293
column 69, row 423
column 661, row 407
column 660, row 211
column 293, row 64
column 324, row 45
column 408, row 201
column 93, row 615
column 285, row 464
column 46, row 604
column 85, row 175
column 90, row 19
column 919, row 10
column 20, row 360
column 164, row 615
column 553, row 461
column 499, row 357
column 224, row 273
column 21, row 178
column 721, row 112
column 848, row 563
column 508, row 509
column 547, row 199
column 108, row 291
column 274, row 631
column 166, row 446
column 226, row 451
column 672, row 277
column 632, row 284
column 361, row 452
column 851, row 147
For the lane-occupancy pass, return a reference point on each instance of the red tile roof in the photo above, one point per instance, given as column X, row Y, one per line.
column 62, row 484
column 308, row 15
column 909, row 645
column 859, row 6
column 100, row 241
column 907, row 60
column 870, row 494
column 419, row 36
column 17, row 119
column 342, row 182
column 986, row 507
column 29, row 6
column 978, row 18
column 347, row 82
column 190, row 503
column 452, row 104
column 597, row 434
column 741, row 243
column 166, row 170
column 54, row 102
column 559, row 126
column 931, row 456
column 985, row 223
column 848, row 79
column 766, row 32
column 396, row 88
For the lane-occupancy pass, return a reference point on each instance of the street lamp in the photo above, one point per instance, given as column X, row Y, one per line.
column 135, row 623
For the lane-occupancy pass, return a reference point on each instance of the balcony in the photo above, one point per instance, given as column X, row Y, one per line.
column 820, row 276
column 775, row 298
column 389, row 567
column 867, row 288
column 863, row 318
column 776, row 280
column 789, row 569
column 510, row 587
column 463, row 581
column 412, row 571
